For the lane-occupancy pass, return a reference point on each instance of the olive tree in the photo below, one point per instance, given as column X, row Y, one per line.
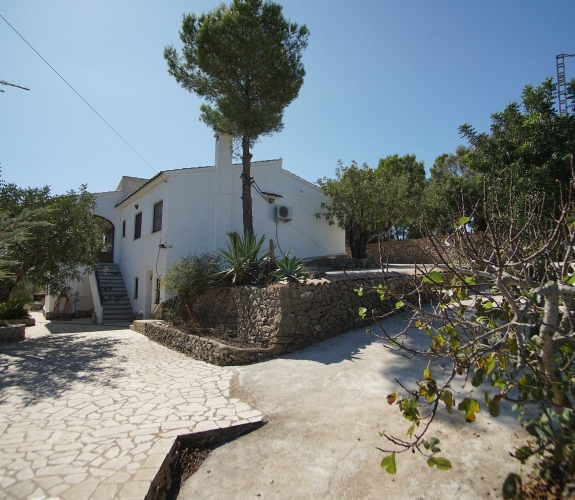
column 362, row 202
column 55, row 238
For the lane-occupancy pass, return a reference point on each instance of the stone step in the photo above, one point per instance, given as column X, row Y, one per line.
column 113, row 291
column 120, row 299
column 115, row 301
column 117, row 307
column 117, row 318
column 114, row 296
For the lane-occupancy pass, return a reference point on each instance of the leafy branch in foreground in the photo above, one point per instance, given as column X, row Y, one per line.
column 504, row 315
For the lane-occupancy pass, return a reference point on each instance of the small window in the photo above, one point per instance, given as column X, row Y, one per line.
column 158, row 209
column 136, row 283
column 138, row 226
column 158, row 284
column 123, row 229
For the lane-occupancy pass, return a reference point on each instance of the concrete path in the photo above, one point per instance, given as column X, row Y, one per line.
column 91, row 411
column 325, row 407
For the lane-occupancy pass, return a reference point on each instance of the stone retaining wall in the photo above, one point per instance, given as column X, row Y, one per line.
column 21, row 321
column 285, row 318
column 14, row 333
column 416, row 251
column 202, row 348
column 274, row 320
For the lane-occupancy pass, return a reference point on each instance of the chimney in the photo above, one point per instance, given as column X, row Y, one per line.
column 223, row 151
column 222, row 200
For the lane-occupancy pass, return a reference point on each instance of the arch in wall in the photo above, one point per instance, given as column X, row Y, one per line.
column 106, row 253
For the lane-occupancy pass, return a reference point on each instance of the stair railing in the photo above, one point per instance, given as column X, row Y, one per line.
column 95, row 289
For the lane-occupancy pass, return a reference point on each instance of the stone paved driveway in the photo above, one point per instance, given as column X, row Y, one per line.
column 90, row 411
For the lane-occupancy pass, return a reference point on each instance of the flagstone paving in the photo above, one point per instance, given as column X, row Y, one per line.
column 90, row 412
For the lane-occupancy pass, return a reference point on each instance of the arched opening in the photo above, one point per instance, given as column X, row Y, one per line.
column 106, row 253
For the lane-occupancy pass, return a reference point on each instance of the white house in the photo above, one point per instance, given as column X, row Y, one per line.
column 153, row 222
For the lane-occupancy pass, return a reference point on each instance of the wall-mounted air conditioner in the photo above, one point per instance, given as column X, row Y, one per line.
column 281, row 212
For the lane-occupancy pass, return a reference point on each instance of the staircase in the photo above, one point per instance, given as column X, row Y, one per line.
column 115, row 301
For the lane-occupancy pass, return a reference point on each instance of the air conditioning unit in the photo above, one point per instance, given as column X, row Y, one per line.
column 282, row 212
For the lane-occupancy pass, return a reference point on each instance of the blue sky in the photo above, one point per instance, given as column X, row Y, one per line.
column 383, row 77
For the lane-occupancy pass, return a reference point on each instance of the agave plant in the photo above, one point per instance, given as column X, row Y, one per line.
column 14, row 308
column 290, row 270
column 242, row 260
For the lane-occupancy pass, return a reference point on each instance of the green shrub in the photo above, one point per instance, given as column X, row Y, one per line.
column 13, row 308
column 190, row 276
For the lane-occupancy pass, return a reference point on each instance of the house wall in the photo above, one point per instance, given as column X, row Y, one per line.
column 200, row 206
column 304, row 236
column 84, row 304
column 142, row 258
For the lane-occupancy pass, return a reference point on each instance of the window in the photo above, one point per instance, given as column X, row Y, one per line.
column 158, row 209
column 123, row 229
column 158, row 284
column 138, row 226
column 136, row 287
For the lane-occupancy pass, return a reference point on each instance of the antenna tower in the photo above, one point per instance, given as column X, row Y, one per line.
column 562, row 83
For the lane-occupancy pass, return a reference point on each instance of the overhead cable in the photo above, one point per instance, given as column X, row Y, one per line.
column 77, row 93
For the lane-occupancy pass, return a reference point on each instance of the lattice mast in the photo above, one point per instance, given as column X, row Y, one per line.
column 562, row 83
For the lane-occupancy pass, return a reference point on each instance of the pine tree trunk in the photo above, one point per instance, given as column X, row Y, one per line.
column 247, row 187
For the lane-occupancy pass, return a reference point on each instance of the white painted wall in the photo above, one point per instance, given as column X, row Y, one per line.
column 200, row 205
column 303, row 236
column 138, row 257
column 84, row 303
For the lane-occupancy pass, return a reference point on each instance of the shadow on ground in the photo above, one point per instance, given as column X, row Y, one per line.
column 332, row 350
column 81, row 326
column 47, row 366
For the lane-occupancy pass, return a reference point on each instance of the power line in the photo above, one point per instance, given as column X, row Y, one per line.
column 77, row 93
column 4, row 82
column 308, row 237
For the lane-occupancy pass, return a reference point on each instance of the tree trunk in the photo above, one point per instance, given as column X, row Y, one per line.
column 8, row 284
column 548, row 328
column 247, row 187
column 357, row 245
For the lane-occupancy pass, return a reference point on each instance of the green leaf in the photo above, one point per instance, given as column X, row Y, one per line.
column 427, row 374
column 362, row 311
column 433, row 277
column 399, row 304
column 440, row 462
column 464, row 220
column 493, row 407
column 470, row 280
column 569, row 280
column 448, row 399
column 359, row 291
column 498, row 382
column 477, row 379
column 388, row 463
column 470, row 407
column 411, row 430
column 431, row 443
column 511, row 487
column 491, row 364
